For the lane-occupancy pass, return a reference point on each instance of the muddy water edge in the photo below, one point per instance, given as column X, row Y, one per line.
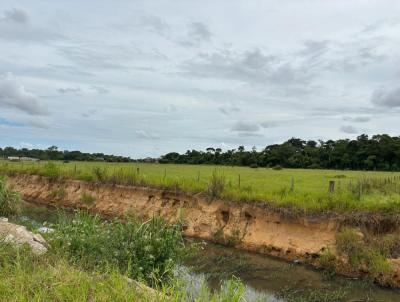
column 266, row 278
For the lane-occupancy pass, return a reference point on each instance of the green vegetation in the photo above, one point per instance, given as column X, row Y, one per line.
column 87, row 198
column 144, row 251
column 366, row 254
column 302, row 190
column 94, row 260
column 380, row 152
column 9, row 201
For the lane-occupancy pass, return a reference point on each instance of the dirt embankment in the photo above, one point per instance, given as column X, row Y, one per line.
column 245, row 225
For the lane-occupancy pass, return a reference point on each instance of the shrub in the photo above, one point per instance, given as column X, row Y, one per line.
column 142, row 250
column 100, row 174
column 216, row 185
column 277, row 167
column 10, row 201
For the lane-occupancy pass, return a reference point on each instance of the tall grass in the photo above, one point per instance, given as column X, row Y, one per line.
column 9, row 201
column 304, row 190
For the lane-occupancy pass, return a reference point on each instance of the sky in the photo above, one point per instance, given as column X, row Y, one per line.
column 143, row 78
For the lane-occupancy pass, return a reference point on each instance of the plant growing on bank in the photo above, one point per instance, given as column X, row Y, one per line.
column 87, row 198
column 10, row 201
column 216, row 185
column 363, row 254
column 144, row 251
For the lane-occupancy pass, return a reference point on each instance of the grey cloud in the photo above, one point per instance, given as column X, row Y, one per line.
column 228, row 110
column 16, row 15
column 357, row 119
column 252, row 66
column 89, row 113
column 268, row 124
column 387, row 98
column 100, row 90
column 38, row 123
column 314, row 49
column 242, row 126
column 14, row 95
column 348, row 129
column 70, row 90
column 197, row 33
column 95, row 55
column 15, row 26
column 154, row 24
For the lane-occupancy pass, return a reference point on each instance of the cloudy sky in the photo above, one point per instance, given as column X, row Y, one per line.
column 141, row 78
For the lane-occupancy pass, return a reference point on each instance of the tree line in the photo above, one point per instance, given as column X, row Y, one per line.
column 379, row 152
column 52, row 153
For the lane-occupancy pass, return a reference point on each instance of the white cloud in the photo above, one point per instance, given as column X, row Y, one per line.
column 14, row 95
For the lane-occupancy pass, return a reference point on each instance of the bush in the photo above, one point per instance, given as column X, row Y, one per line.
column 10, row 201
column 100, row 174
column 277, row 167
column 144, row 251
column 216, row 186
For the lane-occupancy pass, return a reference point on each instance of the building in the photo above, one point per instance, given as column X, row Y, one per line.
column 23, row 158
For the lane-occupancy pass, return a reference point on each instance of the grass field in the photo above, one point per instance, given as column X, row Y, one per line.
column 305, row 190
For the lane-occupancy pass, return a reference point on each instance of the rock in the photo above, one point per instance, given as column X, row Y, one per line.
column 18, row 235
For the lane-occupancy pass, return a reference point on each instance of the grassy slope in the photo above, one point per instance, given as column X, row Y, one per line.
column 310, row 186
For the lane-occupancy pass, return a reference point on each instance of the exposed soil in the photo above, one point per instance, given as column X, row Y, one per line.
column 244, row 225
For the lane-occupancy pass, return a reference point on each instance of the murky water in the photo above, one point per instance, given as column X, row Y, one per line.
column 266, row 278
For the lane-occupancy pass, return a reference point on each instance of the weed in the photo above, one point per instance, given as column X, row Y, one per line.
column 10, row 201
column 216, row 185
column 87, row 198
column 99, row 174
column 59, row 193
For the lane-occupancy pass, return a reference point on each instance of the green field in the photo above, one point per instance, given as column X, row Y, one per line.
column 305, row 190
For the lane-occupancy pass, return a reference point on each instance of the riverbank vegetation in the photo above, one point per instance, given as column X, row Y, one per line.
column 9, row 200
column 90, row 259
column 300, row 190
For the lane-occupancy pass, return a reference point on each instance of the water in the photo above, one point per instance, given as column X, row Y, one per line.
column 267, row 278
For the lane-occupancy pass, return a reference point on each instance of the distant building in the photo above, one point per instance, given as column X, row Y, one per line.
column 28, row 159
column 23, row 158
column 13, row 158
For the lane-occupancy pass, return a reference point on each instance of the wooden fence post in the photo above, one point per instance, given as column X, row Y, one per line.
column 331, row 186
column 198, row 176
column 239, row 181
column 292, row 185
